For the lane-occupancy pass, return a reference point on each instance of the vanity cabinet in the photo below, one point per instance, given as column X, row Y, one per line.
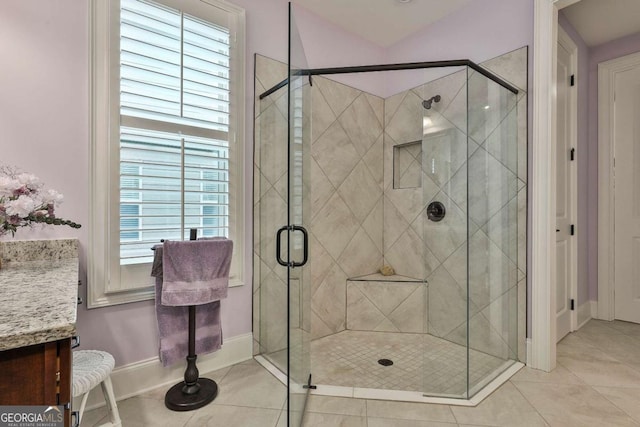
column 38, row 308
column 38, row 374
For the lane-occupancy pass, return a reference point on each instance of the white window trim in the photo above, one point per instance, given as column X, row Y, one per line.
column 105, row 284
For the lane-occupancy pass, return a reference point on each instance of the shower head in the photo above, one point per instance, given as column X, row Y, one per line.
column 427, row 102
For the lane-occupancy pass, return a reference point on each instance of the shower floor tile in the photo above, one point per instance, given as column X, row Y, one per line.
column 421, row 362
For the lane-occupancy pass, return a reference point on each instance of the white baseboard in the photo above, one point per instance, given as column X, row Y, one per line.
column 529, row 351
column 586, row 312
column 144, row 375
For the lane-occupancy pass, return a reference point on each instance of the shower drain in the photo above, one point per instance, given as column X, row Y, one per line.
column 385, row 362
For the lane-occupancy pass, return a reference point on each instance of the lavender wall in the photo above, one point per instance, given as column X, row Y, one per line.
column 587, row 214
column 476, row 32
column 44, row 101
column 614, row 49
column 327, row 45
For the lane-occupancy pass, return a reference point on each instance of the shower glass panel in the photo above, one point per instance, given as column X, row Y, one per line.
column 492, row 205
column 299, row 283
column 445, row 230
column 270, row 208
column 424, row 181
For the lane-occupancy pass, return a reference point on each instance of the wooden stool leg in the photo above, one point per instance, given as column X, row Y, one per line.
column 110, row 398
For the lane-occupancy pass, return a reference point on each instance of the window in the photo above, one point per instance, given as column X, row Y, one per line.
column 167, row 145
column 129, row 203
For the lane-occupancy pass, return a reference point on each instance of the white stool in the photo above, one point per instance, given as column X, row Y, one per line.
column 90, row 368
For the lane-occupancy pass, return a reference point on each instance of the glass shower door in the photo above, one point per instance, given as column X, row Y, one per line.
column 299, row 282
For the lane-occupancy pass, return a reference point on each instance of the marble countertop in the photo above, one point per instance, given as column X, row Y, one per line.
column 38, row 301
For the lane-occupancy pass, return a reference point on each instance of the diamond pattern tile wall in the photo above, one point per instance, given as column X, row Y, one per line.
column 335, row 225
column 448, row 87
column 386, row 306
column 329, row 300
column 337, row 95
column 347, row 211
column 359, row 255
column 373, row 160
column 361, row 124
column 371, row 224
column 273, row 130
column 360, row 189
column 448, row 151
column 335, row 153
column 446, row 236
column 488, row 105
column 491, row 185
column 406, row 124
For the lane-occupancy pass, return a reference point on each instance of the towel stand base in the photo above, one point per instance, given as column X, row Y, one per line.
column 177, row 400
column 194, row 392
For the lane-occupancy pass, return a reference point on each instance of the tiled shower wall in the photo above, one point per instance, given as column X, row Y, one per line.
column 386, row 305
column 346, row 197
column 358, row 215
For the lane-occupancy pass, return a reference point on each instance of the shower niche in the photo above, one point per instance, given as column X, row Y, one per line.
column 375, row 173
column 407, row 165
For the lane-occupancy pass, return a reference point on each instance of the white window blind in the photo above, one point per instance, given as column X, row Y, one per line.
column 174, row 133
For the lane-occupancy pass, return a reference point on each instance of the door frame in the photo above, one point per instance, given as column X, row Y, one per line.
column 572, row 48
column 607, row 73
column 542, row 349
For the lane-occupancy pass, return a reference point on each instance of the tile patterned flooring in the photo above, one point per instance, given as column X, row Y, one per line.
column 596, row 383
column 421, row 362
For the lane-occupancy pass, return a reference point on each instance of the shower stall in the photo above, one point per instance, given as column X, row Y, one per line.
column 426, row 182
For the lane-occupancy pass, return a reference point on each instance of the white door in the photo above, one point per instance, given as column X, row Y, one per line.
column 565, row 190
column 626, row 124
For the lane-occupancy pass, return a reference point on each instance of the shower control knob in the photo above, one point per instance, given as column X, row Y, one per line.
column 436, row 211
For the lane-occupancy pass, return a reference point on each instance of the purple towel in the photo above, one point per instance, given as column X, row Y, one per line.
column 195, row 271
column 173, row 324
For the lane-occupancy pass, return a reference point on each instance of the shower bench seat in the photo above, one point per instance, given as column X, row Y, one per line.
column 386, row 303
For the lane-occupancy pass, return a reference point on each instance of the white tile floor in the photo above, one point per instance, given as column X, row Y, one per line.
column 421, row 362
column 596, row 383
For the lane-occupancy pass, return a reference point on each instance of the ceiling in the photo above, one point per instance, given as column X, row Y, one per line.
column 601, row 21
column 383, row 22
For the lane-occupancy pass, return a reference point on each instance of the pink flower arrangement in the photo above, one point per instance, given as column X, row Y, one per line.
column 24, row 202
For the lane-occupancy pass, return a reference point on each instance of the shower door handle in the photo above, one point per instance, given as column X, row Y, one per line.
column 305, row 246
column 278, row 234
